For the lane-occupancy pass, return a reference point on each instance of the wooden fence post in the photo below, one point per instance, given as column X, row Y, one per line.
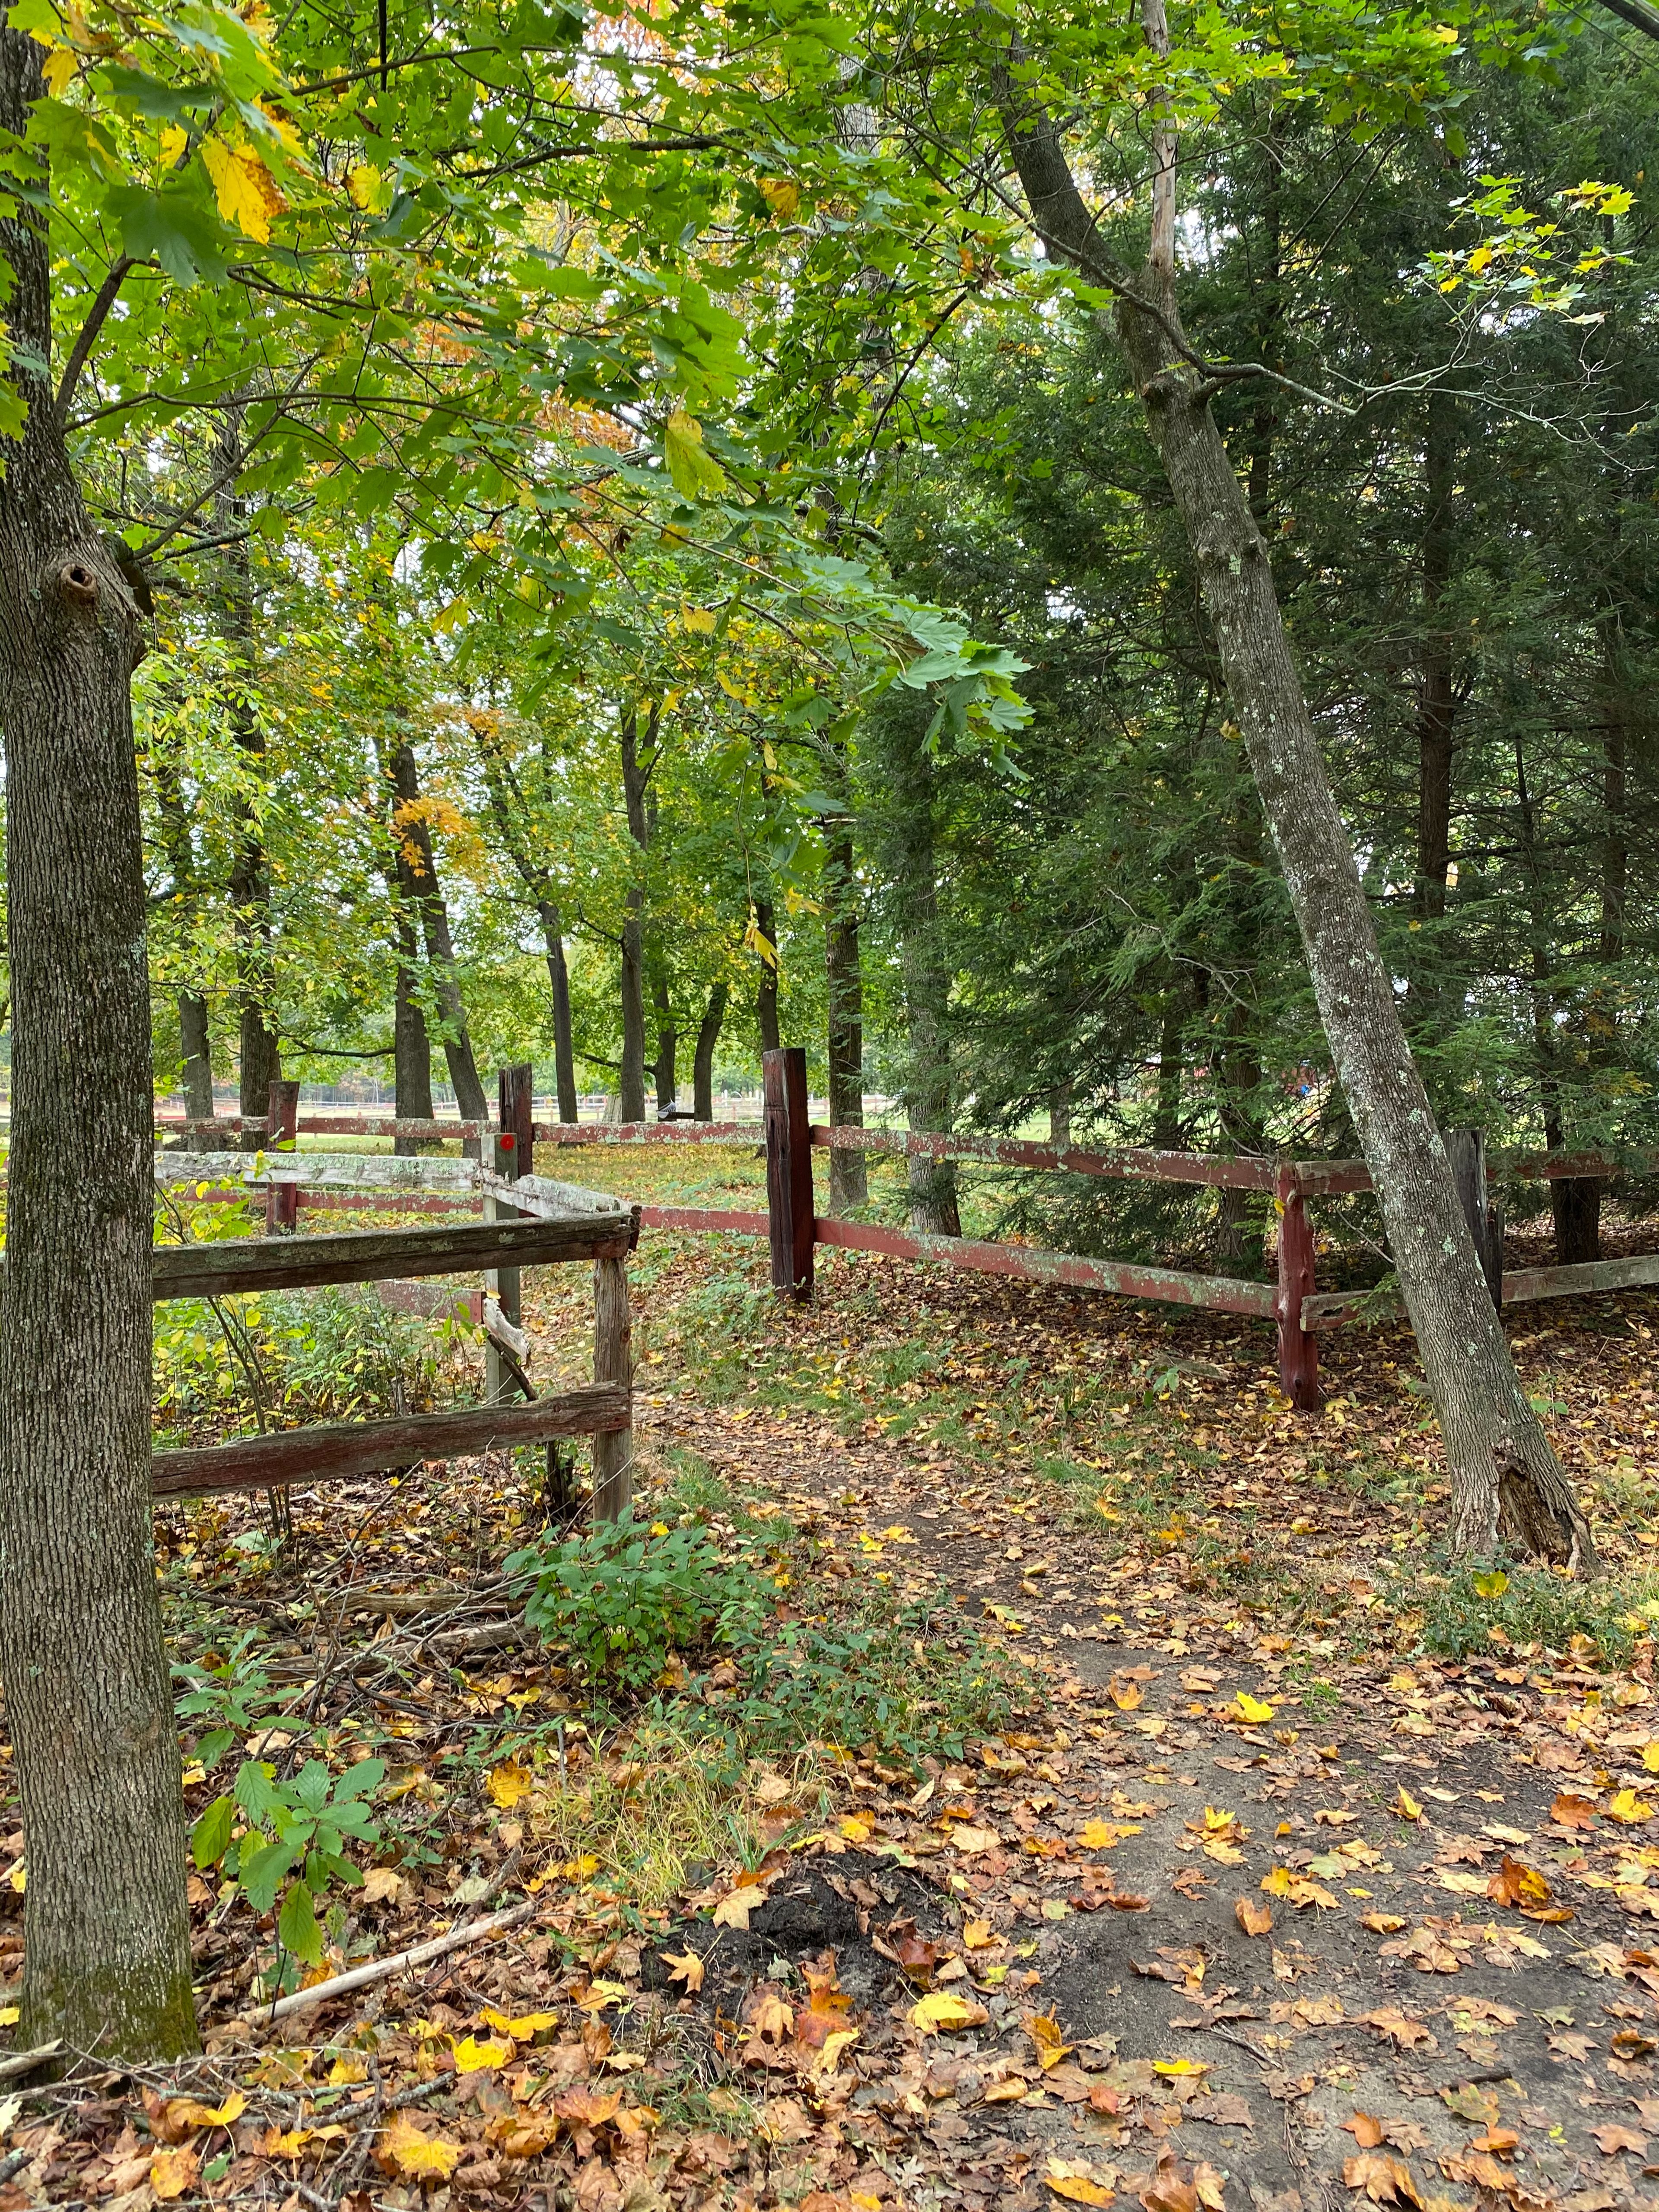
column 1299, row 1348
column 281, row 1129
column 789, row 1170
column 1466, row 1151
column 613, row 1362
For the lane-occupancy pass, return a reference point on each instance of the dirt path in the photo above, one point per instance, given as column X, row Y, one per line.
column 1397, row 2030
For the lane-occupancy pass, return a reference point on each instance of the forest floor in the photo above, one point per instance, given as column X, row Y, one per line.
column 1150, row 1811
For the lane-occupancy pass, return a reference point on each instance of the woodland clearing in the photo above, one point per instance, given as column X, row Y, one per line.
column 1148, row 1813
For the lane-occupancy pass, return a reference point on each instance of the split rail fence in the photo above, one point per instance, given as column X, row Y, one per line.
column 527, row 1221
column 1293, row 1302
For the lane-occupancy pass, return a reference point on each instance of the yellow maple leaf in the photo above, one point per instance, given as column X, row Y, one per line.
column 522, row 2029
column 243, row 187
column 944, row 2008
column 190, row 2112
column 1253, row 1709
column 1650, row 1757
column 685, row 1967
column 173, row 2171
column 1630, row 1809
column 508, row 1784
column 174, row 139
column 855, row 1830
column 782, row 195
column 979, row 1934
column 1051, row 2045
column 403, row 2149
column 478, row 2054
column 1405, row 1806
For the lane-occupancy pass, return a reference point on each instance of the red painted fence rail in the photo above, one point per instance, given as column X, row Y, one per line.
column 789, row 1138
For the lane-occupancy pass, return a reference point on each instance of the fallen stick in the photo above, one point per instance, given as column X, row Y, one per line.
column 380, row 1970
column 25, row 2062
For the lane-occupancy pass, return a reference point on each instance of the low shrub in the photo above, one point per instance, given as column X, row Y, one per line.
column 1463, row 1602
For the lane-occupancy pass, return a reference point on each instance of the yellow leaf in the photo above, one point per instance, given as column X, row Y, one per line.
column 1491, row 1585
column 9, row 2015
column 1100, row 1835
column 173, row 2171
column 350, row 2068
column 1051, row 2045
column 855, row 1830
column 979, row 1934
column 19, row 1877
column 363, row 184
column 701, row 622
column 1405, row 1806
column 1179, row 2067
column 1078, row 2189
column 945, row 2009
column 476, row 2055
column 1650, row 1757
column 403, row 2149
column 243, row 187
column 685, row 1966
column 1278, row 1883
column 508, row 1784
column 829, row 2057
column 187, row 2113
column 782, row 195
column 60, row 71
column 692, row 470
column 1253, row 1709
column 734, row 1912
column 1630, row 1809
column 525, row 2028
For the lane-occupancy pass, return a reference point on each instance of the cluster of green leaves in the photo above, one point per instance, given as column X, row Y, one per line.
column 268, row 1827
column 622, row 1595
column 1464, row 1601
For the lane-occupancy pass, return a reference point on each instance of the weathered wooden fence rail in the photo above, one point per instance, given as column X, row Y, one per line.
column 528, row 1222
column 788, row 1137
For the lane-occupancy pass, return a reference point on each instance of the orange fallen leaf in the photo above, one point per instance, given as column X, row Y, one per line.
column 1385, row 2179
column 1570, row 1810
column 685, row 1967
column 1254, row 1919
column 1613, row 2138
column 1366, row 2129
column 173, row 2171
column 1051, row 2045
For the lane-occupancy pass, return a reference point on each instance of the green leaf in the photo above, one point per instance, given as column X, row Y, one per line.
column 209, row 1838
column 262, row 1876
column 695, row 473
column 297, row 1931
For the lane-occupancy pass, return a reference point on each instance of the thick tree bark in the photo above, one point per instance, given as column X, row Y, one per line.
column 1505, row 1478
column 558, row 975
column 411, row 1046
column 849, row 1182
column 702, row 1064
column 421, row 886
column 88, row 1702
column 1060, row 1114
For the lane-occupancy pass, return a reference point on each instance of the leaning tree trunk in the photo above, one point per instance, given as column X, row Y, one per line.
column 1505, row 1478
column 88, row 1705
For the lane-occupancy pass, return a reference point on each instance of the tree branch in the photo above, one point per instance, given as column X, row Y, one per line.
column 103, row 301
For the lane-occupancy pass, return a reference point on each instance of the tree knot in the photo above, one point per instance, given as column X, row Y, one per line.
column 78, row 584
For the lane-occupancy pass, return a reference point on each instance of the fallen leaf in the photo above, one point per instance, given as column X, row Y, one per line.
column 1517, row 1884
column 1253, row 1711
column 1051, row 2046
column 1385, row 2179
column 1406, row 1806
column 734, row 1909
column 188, row 2112
column 1613, row 2138
column 1571, row 1811
column 1381, row 1923
column 945, row 2009
column 508, row 1784
column 1124, row 1694
column 173, row 2171
column 686, row 1968
column 1077, row 2188
column 980, row 1935
column 403, row 2149
column 1100, row 1835
column 972, row 1842
column 1365, row 2128
column 1254, row 1919
column 1630, row 1809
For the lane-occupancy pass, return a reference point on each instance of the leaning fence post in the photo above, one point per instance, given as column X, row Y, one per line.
column 788, row 1170
column 1298, row 1347
column 1466, row 1152
column 282, row 1132
column 613, row 1362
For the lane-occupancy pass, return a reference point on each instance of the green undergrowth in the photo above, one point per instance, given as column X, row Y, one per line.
column 711, row 1615
column 1459, row 1608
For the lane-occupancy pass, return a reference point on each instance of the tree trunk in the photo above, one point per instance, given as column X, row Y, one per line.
column 411, row 1046
column 558, row 975
column 1060, row 1114
column 702, row 1064
column 415, row 855
column 88, row 1704
column 850, row 1180
column 195, row 1037
column 927, row 1089
column 766, row 991
column 637, row 763
column 667, row 1048
column 259, row 1049
column 1504, row 1474
column 1436, row 703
